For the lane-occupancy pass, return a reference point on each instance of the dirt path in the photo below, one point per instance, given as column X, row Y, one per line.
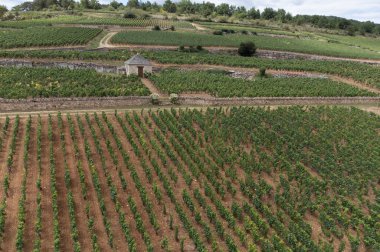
column 105, row 42
column 372, row 109
column 199, row 27
column 152, row 88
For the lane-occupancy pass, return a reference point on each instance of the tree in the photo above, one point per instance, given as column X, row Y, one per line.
column 169, row 6
column 115, row 4
column 268, row 14
column 247, row 49
column 133, row 3
column 3, row 10
column 223, row 9
column 206, row 9
column 253, row 13
column 26, row 6
column 186, row 6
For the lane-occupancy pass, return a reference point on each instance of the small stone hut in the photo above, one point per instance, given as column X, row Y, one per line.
column 138, row 65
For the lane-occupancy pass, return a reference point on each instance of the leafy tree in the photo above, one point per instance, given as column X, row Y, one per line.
column 115, row 4
column 26, row 6
column 133, row 3
column 186, row 6
column 206, row 9
column 3, row 10
column 169, row 6
column 223, row 9
column 268, row 14
column 247, row 49
column 253, row 13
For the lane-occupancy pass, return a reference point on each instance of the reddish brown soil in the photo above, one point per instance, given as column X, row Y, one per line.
column 118, row 237
column 84, row 235
column 123, row 196
column 99, row 228
column 63, row 212
column 46, row 202
column 14, row 193
column 199, row 184
column 31, row 189
column 7, row 138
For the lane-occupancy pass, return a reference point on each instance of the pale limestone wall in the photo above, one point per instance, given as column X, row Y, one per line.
column 133, row 69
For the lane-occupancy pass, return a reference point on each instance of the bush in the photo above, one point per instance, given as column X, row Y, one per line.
column 129, row 14
column 247, row 49
column 199, row 48
column 155, row 98
column 156, row 28
column 217, row 33
column 262, row 72
column 174, row 98
column 172, row 28
column 181, row 48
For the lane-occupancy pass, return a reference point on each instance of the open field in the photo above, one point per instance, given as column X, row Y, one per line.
column 172, row 179
column 16, row 83
column 302, row 45
column 47, row 36
column 221, row 85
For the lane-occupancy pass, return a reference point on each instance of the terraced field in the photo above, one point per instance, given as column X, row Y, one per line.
column 301, row 45
column 222, row 85
column 47, row 36
column 76, row 20
column 16, row 83
column 236, row 179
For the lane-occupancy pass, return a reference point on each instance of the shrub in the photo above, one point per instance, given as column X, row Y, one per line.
column 181, row 48
column 217, row 33
column 199, row 48
column 262, row 72
column 172, row 28
column 156, row 28
column 247, row 49
column 129, row 14
column 155, row 98
column 174, row 98
column 244, row 32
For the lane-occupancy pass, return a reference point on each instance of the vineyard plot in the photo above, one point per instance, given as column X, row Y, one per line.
column 236, row 179
column 27, row 82
column 222, row 85
column 47, row 36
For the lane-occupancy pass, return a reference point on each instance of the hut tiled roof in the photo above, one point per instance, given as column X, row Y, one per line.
column 138, row 60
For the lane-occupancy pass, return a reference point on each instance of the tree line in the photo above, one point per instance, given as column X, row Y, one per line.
column 209, row 10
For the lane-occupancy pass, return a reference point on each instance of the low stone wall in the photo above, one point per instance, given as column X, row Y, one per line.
column 69, row 65
column 40, row 104
column 279, row 101
column 72, row 103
